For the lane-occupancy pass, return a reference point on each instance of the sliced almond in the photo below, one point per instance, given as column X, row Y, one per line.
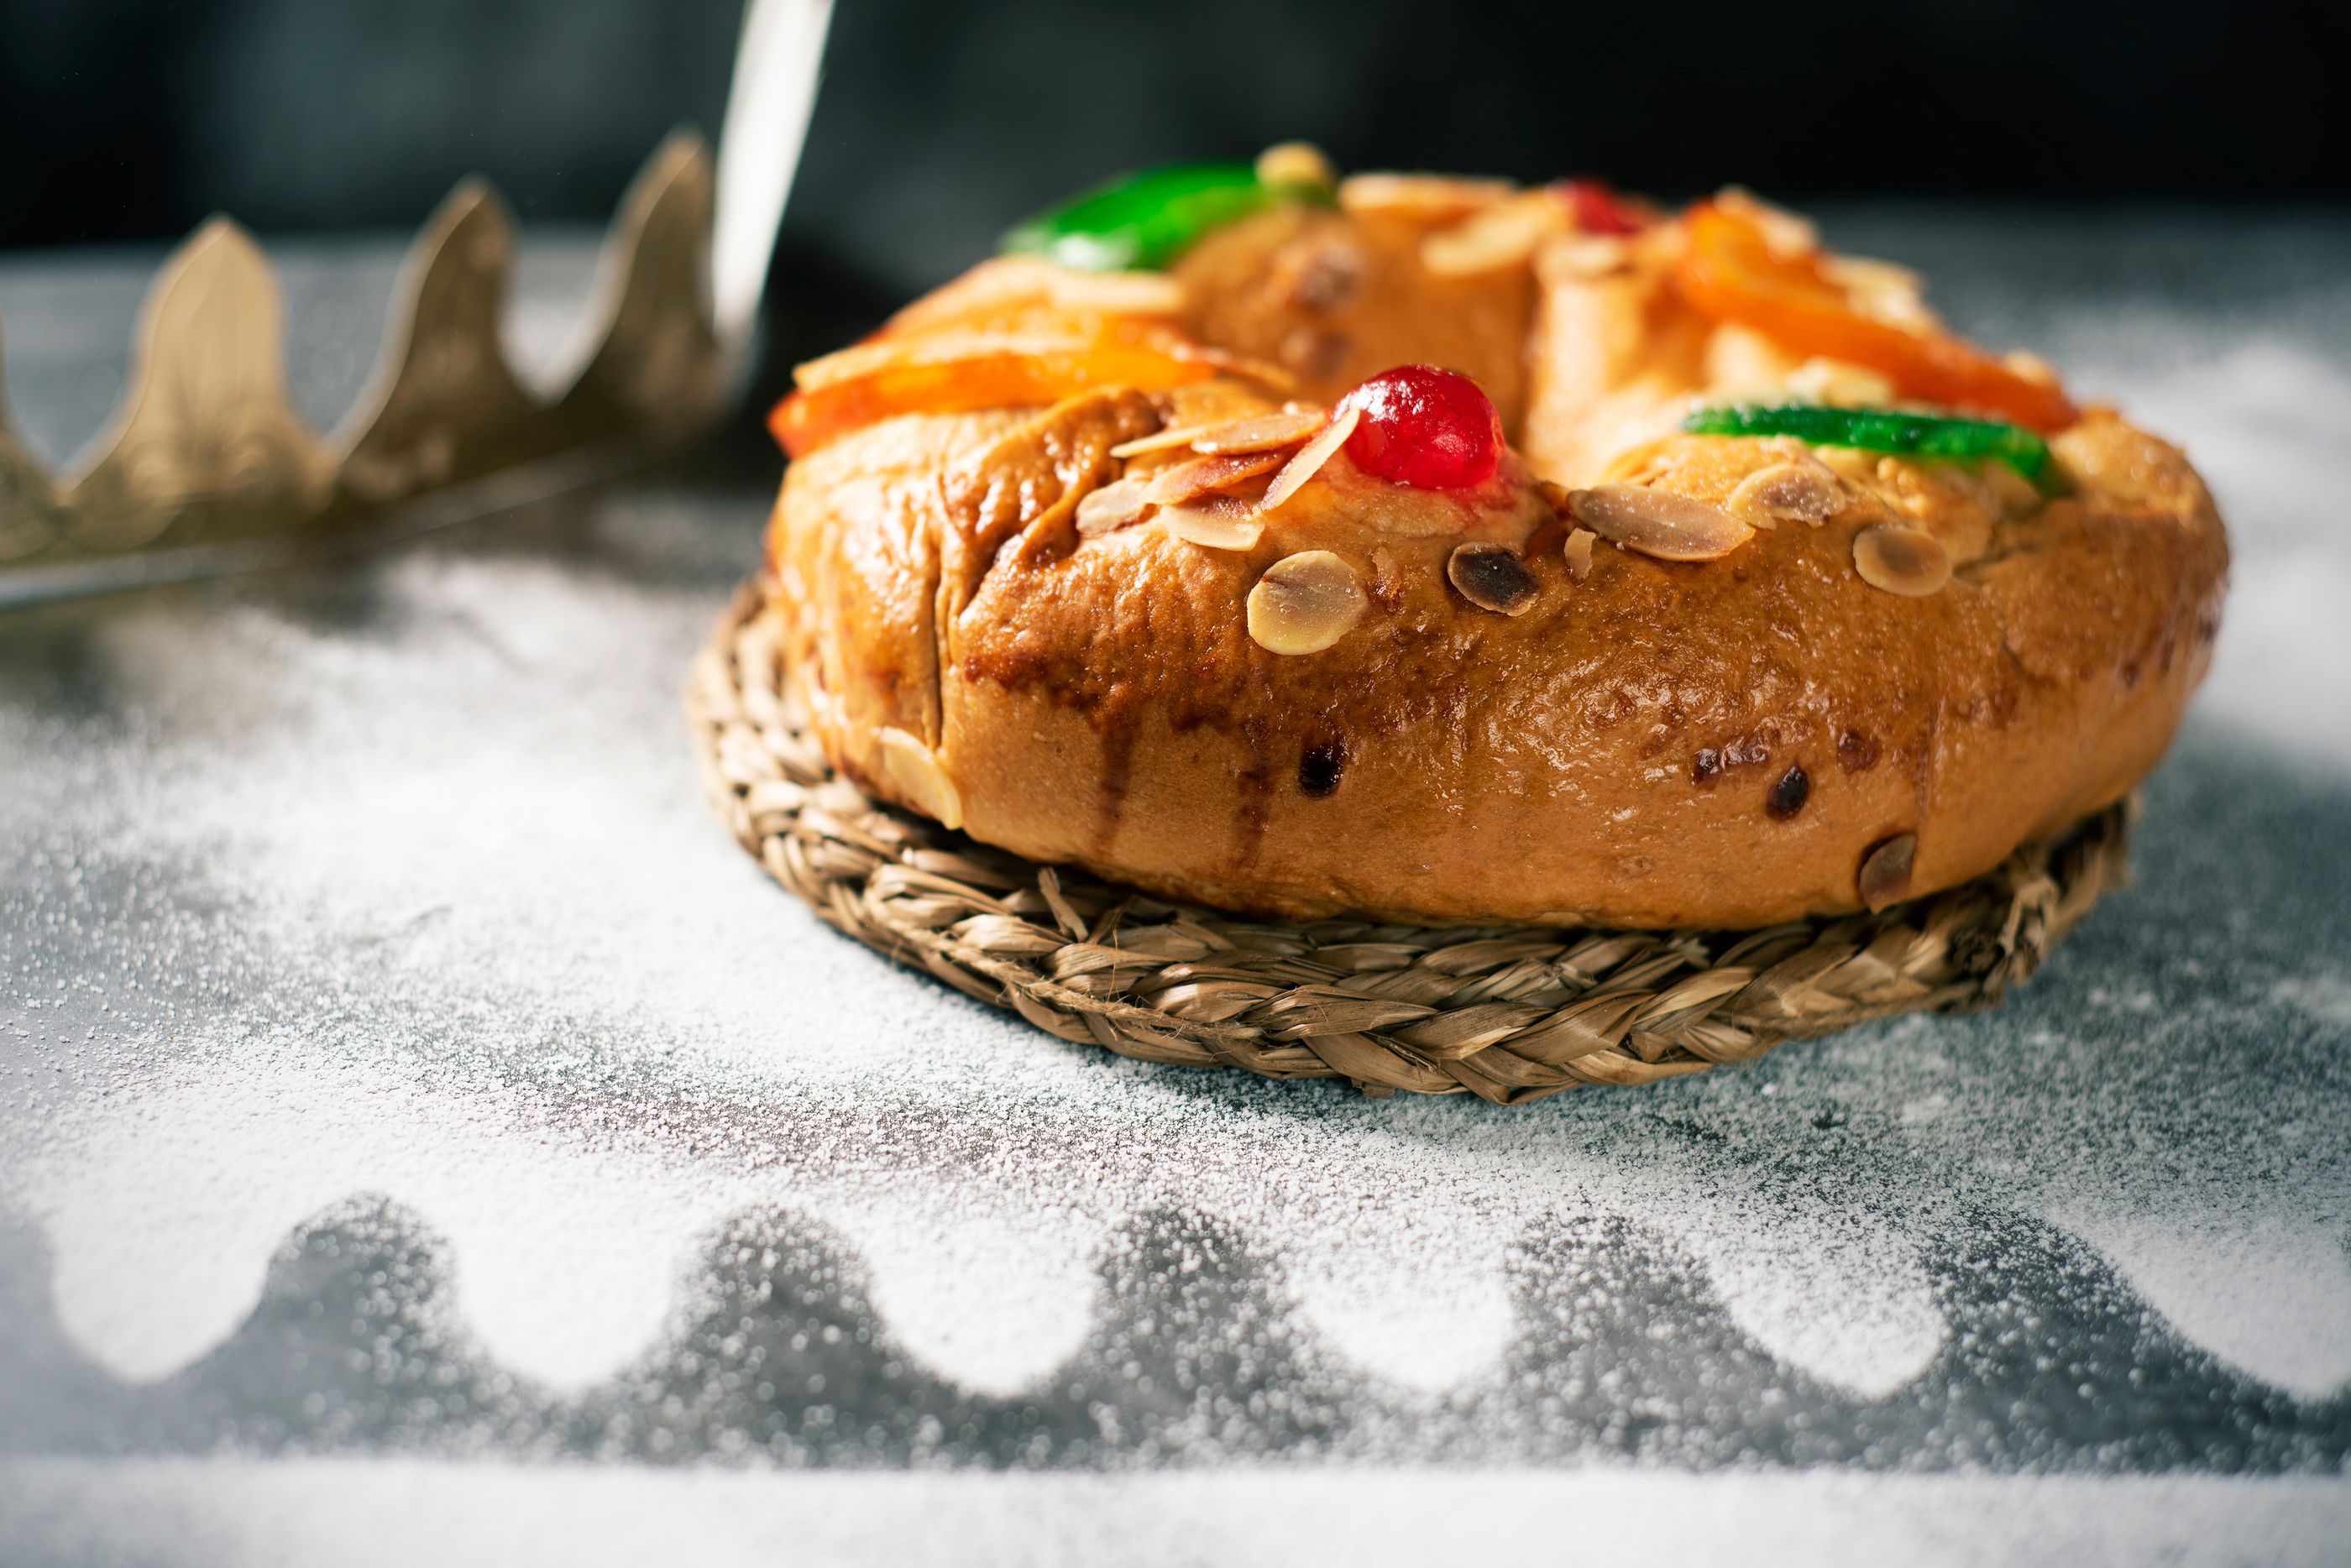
column 1787, row 493
column 1587, row 255
column 1310, row 458
column 1222, row 436
column 1861, row 273
column 1658, row 522
column 1492, row 578
column 1840, row 383
column 2008, row 493
column 1305, row 602
column 1273, row 377
column 2031, row 366
column 1296, row 166
column 1009, row 282
column 1884, row 875
column 1167, row 439
column 1578, row 553
column 1118, row 293
column 1430, row 196
column 1786, row 232
column 1263, row 432
column 1495, row 238
column 1850, row 463
column 1882, row 290
column 1644, row 462
column 950, row 344
column 1901, row 560
column 1114, row 505
column 915, row 769
column 1201, row 475
column 1213, row 527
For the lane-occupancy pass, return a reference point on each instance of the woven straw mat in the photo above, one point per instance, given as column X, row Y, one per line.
column 1510, row 1013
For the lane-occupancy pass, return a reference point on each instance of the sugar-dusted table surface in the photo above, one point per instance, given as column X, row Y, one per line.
column 426, row 1137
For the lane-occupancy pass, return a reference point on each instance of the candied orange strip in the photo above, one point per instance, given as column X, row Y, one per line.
column 957, row 371
column 1730, row 272
column 1011, row 290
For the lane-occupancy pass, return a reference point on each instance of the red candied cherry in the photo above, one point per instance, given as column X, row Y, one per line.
column 1597, row 208
column 1422, row 426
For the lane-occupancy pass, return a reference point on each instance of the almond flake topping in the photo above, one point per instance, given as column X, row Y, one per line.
column 1114, row 505
column 1786, row 232
column 1200, row 475
column 1839, row 383
column 1884, row 874
column 1906, row 561
column 1163, row 441
column 1578, row 554
column 1305, row 602
column 1212, row 527
column 1658, row 522
column 1426, row 196
column 1118, row 293
column 1588, row 256
column 1310, row 458
column 1007, row 282
column 1791, row 492
column 1502, row 235
column 1261, row 432
column 1882, row 290
column 1297, row 166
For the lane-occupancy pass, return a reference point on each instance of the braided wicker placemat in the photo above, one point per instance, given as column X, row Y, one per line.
column 1511, row 1012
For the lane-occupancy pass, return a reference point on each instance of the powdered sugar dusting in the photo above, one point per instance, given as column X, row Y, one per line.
column 2266, row 1291
column 557, row 868
column 394, row 880
column 505, row 969
column 395, row 1513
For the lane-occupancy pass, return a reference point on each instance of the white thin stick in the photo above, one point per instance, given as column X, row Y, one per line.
column 767, row 109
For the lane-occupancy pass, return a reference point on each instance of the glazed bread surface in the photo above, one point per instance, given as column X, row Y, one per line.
column 1722, row 742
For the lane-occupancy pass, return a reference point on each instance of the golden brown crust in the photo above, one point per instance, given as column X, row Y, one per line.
column 1715, row 744
column 1333, row 300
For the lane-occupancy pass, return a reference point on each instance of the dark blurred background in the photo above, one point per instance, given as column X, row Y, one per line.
column 132, row 118
column 938, row 123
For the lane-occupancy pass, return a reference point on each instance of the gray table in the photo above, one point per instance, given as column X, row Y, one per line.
column 426, row 1137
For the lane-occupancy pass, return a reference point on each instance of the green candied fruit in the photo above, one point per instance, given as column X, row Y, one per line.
column 1143, row 220
column 1880, row 430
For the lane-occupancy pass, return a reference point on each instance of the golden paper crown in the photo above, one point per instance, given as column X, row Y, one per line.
column 205, row 455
